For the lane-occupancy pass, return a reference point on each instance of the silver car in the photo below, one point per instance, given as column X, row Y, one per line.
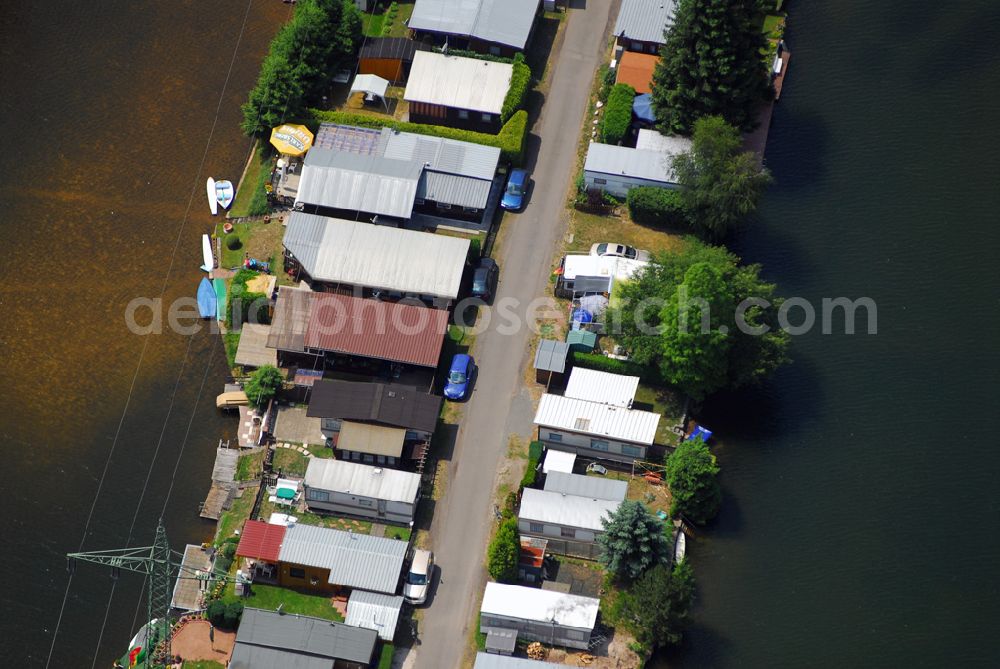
column 619, row 250
column 418, row 579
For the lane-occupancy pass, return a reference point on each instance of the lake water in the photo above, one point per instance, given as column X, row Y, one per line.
column 107, row 110
column 860, row 524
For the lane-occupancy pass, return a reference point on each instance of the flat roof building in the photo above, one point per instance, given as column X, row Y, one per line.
column 490, row 26
column 268, row 639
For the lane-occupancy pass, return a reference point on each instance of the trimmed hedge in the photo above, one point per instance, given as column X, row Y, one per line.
column 503, row 552
column 603, row 363
column 661, row 207
column 520, row 81
column 534, row 457
column 617, row 114
column 510, row 139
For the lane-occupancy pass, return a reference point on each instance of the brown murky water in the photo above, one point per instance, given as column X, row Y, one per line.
column 107, row 111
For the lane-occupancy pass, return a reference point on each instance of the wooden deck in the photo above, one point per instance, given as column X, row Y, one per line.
column 187, row 589
column 220, row 494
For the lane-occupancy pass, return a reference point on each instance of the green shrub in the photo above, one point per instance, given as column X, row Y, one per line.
column 216, row 613
column 263, row 385
column 233, row 242
column 465, row 53
column 388, row 650
column 660, row 207
column 510, row 139
column 520, row 81
column 617, row 114
column 534, row 457
column 607, row 81
column 603, row 363
column 475, row 249
column 509, row 505
column 229, row 550
column 231, row 619
column 503, row 552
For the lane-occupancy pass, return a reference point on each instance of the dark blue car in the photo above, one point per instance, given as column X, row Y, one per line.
column 517, row 187
column 459, row 376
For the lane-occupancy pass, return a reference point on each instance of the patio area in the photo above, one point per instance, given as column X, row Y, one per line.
column 192, row 643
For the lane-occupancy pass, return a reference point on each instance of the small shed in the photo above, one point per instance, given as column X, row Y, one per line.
column 374, row 611
column 554, row 618
column 558, row 461
column 550, row 361
column 389, row 57
column 583, row 341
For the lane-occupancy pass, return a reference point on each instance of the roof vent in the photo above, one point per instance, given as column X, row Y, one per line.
column 377, row 471
column 582, row 424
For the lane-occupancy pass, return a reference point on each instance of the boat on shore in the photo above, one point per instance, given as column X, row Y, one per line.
column 208, row 258
column 213, row 198
column 224, row 193
column 207, row 301
column 220, row 298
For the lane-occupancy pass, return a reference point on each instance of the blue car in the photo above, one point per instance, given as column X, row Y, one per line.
column 517, row 186
column 458, row 377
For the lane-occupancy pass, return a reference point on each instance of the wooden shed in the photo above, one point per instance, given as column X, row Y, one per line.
column 389, row 57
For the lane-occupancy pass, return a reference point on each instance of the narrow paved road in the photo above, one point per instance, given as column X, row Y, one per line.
column 462, row 519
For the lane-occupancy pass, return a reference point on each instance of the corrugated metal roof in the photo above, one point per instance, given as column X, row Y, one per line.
column 374, row 329
column 600, row 420
column 454, row 81
column 556, row 508
column 591, row 487
column 354, row 560
column 386, row 403
column 375, row 612
column 377, row 256
column 645, row 20
column 506, row 22
column 291, row 317
column 363, row 480
column 558, row 461
column 394, row 48
column 495, row 661
column 443, row 155
column 547, row 606
column 551, row 355
column 454, row 190
column 371, row 439
column 365, row 183
column 303, row 636
column 596, row 386
column 653, row 140
column 628, row 162
column 260, row 541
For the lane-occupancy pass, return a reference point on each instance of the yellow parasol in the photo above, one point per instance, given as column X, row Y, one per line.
column 291, row 140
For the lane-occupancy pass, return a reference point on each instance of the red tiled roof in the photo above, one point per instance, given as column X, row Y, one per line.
column 636, row 70
column 261, row 541
column 374, row 329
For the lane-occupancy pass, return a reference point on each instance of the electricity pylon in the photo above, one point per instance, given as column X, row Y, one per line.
column 161, row 566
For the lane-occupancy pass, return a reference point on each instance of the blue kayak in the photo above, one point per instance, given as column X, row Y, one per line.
column 207, row 300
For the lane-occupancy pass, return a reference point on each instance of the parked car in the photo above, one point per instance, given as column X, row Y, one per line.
column 619, row 250
column 418, row 579
column 484, row 279
column 517, row 188
column 459, row 375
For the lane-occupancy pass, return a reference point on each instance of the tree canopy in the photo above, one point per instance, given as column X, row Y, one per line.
column 633, row 541
column 658, row 605
column 722, row 184
column 692, row 475
column 302, row 58
column 503, row 552
column 263, row 385
column 712, row 63
column 679, row 314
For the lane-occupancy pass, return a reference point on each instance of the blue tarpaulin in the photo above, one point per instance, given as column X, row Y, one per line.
column 700, row 433
column 642, row 107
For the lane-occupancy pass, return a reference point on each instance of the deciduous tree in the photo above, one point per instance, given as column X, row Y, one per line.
column 659, row 604
column 693, row 478
column 503, row 552
column 263, row 385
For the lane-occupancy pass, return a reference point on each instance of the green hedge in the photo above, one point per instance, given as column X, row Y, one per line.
column 625, row 367
column 661, row 207
column 510, row 139
column 385, row 656
column 520, row 82
column 617, row 114
column 465, row 53
column 534, row 457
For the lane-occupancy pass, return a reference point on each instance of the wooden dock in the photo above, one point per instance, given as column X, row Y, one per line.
column 220, row 494
column 187, row 588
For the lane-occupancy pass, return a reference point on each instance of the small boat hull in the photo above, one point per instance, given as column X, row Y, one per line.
column 207, row 301
column 213, row 199
column 220, row 298
column 224, row 193
column 208, row 258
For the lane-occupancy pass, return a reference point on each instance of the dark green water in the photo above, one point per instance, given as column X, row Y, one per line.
column 107, row 108
column 860, row 526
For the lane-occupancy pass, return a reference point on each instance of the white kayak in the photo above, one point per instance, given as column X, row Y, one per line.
column 213, row 198
column 224, row 193
column 206, row 252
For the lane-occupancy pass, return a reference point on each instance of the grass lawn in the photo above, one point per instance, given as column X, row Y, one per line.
column 202, row 664
column 398, row 27
column 664, row 402
column 290, row 462
column 772, row 25
column 259, row 239
column 589, row 229
column 270, row 597
column 249, row 467
column 251, row 200
column 233, row 519
column 385, row 656
column 371, row 24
